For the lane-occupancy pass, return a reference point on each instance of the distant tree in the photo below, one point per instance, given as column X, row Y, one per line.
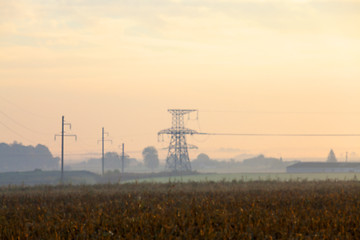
column 151, row 159
column 262, row 163
column 331, row 157
column 203, row 161
column 203, row 157
column 17, row 157
column 113, row 160
column 112, row 156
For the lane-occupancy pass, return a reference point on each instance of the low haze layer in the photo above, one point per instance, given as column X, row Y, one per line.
column 249, row 67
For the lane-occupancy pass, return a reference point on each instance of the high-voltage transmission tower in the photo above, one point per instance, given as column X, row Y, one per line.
column 178, row 155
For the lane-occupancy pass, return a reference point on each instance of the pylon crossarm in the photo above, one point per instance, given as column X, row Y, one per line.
column 190, row 146
column 172, row 131
column 182, row 111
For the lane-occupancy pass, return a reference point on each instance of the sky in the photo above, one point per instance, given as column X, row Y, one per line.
column 248, row 66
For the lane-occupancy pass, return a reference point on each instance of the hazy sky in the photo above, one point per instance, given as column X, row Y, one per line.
column 249, row 66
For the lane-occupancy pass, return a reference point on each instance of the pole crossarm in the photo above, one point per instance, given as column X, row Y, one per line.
column 105, row 141
column 66, row 135
column 191, row 146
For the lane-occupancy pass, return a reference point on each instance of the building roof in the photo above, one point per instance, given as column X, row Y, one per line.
column 325, row 165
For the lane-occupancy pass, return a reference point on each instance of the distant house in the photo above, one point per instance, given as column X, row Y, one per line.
column 323, row 167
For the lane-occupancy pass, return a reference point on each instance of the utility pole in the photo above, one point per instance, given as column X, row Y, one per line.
column 103, row 152
column 122, row 159
column 63, row 135
column 346, row 159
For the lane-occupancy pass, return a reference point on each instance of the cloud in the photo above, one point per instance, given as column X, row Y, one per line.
column 241, row 32
column 77, row 22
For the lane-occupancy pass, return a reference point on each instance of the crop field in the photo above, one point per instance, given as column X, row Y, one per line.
column 192, row 210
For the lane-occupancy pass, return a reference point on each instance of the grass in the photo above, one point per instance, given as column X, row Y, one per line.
column 246, row 177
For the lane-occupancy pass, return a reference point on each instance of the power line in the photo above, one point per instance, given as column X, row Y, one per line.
column 23, row 109
column 277, row 112
column 15, row 132
column 80, row 154
column 21, row 125
column 284, row 134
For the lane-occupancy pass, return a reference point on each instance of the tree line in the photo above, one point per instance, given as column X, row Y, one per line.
column 17, row 157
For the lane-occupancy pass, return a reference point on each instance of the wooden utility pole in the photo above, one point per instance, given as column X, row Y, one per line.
column 63, row 135
column 122, row 159
column 103, row 149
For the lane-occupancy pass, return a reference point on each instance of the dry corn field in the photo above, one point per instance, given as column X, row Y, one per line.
column 222, row 210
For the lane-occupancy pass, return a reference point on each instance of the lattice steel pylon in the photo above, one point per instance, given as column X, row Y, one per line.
column 178, row 155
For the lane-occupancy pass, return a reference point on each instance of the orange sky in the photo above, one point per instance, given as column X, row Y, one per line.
column 248, row 66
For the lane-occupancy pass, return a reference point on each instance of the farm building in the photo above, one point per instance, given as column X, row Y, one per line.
column 323, row 167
